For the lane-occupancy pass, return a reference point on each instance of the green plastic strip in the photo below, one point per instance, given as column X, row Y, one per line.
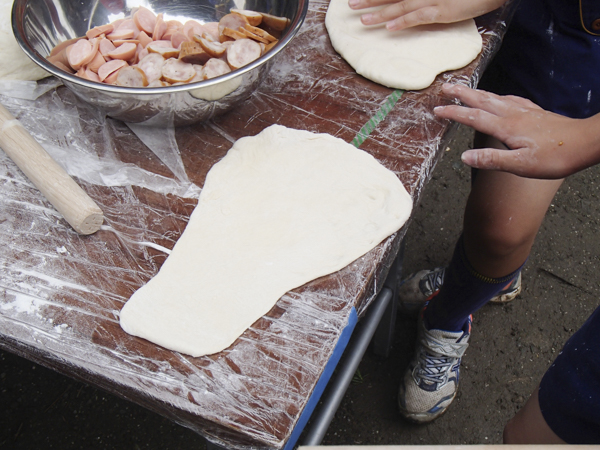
column 368, row 127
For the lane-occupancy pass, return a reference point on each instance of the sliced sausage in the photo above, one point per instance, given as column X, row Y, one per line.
column 152, row 66
column 82, row 52
column 193, row 53
column 62, row 66
column 214, row 49
column 275, row 22
column 233, row 21
column 199, row 73
column 60, row 59
column 121, row 34
column 147, row 39
column 145, row 20
column 91, row 75
column 159, row 28
column 260, row 32
column 212, row 30
column 176, row 71
column 124, row 52
column 141, row 53
column 248, row 34
column 109, row 68
column 62, row 45
column 112, row 78
column 192, row 27
column 166, row 51
column 268, row 47
column 215, row 67
column 127, row 29
column 95, row 63
column 102, row 29
column 119, row 42
column 105, row 47
column 144, row 38
column 173, row 26
column 178, row 38
column 243, row 52
column 131, row 76
column 254, row 18
column 233, row 33
column 158, row 83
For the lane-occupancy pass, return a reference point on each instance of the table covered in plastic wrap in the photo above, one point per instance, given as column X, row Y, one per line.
column 61, row 293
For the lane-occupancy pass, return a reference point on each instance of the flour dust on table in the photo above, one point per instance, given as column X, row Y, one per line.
column 408, row 59
column 282, row 208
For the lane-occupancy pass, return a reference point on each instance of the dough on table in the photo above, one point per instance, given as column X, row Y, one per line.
column 282, row 208
column 16, row 65
column 406, row 59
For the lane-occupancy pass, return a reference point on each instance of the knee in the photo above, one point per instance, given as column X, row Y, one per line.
column 500, row 239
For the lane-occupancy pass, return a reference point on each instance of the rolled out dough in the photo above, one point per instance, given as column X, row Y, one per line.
column 405, row 59
column 280, row 209
column 17, row 65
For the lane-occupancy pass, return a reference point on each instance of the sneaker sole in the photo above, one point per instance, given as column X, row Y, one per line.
column 426, row 417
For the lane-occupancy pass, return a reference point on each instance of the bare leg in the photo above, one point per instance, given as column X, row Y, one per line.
column 502, row 217
column 529, row 427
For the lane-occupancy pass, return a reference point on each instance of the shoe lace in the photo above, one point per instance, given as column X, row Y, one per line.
column 434, row 281
column 436, row 358
column 434, row 369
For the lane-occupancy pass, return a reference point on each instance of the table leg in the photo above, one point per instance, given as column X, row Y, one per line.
column 384, row 335
column 359, row 342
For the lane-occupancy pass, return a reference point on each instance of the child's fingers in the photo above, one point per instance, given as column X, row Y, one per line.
column 420, row 12
column 478, row 119
column 385, row 14
column 524, row 162
column 421, row 16
column 486, row 101
column 494, row 159
column 524, row 102
column 362, row 4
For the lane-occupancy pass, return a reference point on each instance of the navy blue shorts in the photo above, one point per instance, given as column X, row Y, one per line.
column 569, row 392
column 551, row 55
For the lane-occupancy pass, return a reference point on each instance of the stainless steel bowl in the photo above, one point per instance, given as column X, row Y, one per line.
column 39, row 25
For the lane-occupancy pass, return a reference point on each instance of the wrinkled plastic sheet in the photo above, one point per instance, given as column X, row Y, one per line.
column 61, row 293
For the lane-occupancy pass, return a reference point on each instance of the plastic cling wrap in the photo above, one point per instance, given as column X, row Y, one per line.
column 61, row 293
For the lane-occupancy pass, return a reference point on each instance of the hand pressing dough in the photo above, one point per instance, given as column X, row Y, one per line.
column 280, row 209
column 16, row 64
column 405, row 59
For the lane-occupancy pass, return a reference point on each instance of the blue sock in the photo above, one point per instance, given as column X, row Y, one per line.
column 464, row 291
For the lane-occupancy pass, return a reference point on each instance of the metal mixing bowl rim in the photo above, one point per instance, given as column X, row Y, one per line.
column 51, row 68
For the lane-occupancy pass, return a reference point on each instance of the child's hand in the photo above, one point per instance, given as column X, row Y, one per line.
column 542, row 144
column 409, row 13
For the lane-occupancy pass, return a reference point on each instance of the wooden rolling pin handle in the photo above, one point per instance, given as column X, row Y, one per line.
column 54, row 183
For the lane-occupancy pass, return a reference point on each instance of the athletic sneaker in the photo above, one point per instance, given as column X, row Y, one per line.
column 422, row 286
column 431, row 379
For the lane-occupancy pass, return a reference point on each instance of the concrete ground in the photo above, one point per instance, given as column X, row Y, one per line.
column 511, row 346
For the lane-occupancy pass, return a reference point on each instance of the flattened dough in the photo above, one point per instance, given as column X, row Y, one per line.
column 282, row 208
column 16, row 64
column 407, row 59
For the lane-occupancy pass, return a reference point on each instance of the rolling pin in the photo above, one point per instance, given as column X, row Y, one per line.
column 82, row 213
